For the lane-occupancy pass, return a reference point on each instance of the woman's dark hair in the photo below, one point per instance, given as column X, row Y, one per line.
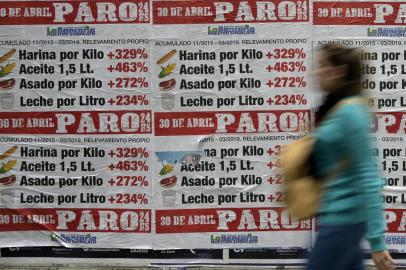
column 339, row 55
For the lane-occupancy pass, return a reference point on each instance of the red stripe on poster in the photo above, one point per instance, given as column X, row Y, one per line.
column 228, row 220
column 204, row 123
column 76, row 220
column 359, row 13
column 231, row 11
column 95, row 122
column 74, row 12
column 396, row 219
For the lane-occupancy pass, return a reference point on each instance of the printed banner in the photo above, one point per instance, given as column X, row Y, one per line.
column 232, row 91
column 375, row 28
column 76, row 124
column 157, row 125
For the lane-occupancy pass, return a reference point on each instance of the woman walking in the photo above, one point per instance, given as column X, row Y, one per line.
column 351, row 202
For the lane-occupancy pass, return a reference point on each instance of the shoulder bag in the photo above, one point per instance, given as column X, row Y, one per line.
column 302, row 191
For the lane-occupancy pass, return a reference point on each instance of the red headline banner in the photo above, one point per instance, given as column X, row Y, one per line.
column 389, row 122
column 76, row 220
column 359, row 13
column 395, row 220
column 231, row 11
column 95, row 122
column 74, row 12
column 228, row 220
column 204, row 123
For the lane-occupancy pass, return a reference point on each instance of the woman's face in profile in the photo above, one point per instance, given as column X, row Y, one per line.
column 330, row 77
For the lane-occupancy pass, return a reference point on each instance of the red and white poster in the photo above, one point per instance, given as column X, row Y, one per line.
column 150, row 125
column 124, row 122
column 232, row 90
column 76, row 124
column 377, row 29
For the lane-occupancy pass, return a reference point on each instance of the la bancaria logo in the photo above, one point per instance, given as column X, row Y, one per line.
column 74, row 238
column 386, row 32
column 71, row 31
column 234, row 239
column 230, row 30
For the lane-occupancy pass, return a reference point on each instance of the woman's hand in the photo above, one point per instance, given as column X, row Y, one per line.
column 383, row 260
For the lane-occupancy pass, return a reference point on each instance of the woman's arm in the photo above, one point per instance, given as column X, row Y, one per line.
column 359, row 148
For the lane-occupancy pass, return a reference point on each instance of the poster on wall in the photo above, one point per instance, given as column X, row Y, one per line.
column 76, row 124
column 232, row 90
column 109, row 256
column 151, row 124
column 377, row 29
column 141, row 125
column 143, row 255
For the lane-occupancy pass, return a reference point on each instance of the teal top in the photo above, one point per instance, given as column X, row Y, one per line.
column 352, row 196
